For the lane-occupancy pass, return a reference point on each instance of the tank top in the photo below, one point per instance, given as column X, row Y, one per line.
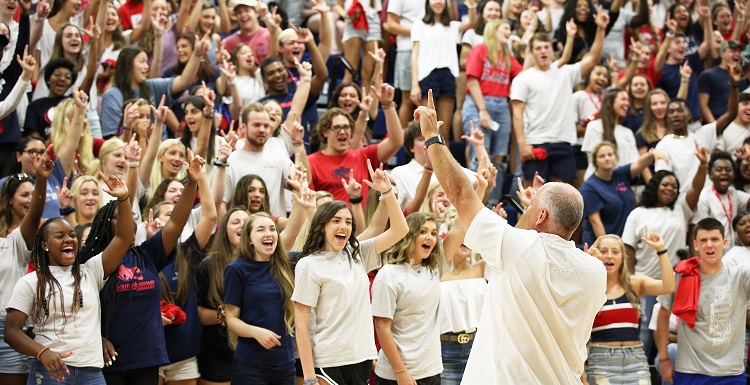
column 616, row 321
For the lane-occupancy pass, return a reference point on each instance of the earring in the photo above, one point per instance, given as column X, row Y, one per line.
column 46, row 249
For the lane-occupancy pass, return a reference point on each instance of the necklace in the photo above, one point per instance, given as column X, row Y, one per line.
column 417, row 270
column 679, row 136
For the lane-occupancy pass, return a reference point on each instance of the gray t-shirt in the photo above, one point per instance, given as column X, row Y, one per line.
column 715, row 346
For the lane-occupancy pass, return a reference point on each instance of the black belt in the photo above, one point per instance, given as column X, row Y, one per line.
column 461, row 338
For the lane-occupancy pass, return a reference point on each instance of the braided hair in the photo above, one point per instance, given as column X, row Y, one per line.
column 99, row 238
column 40, row 256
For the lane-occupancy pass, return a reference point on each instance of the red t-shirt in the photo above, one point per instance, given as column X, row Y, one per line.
column 130, row 14
column 649, row 72
column 328, row 170
column 258, row 41
column 494, row 80
column 97, row 145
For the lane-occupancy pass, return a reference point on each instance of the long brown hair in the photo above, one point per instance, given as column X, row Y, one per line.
column 220, row 255
column 6, row 196
column 59, row 52
column 316, row 239
column 401, row 251
column 608, row 116
column 279, row 264
column 648, row 129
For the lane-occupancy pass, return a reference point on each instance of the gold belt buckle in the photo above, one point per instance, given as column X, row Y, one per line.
column 462, row 338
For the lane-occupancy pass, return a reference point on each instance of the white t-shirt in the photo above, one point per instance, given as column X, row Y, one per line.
column 81, row 334
column 461, row 303
column 709, row 206
column 339, row 291
column 614, row 42
column 682, row 160
column 730, row 140
column 272, row 168
column 672, row 224
column 409, row 296
column 557, row 15
column 539, row 307
column 585, row 105
column 409, row 12
column 13, row 265
column 471, row 38
column 251, row 88
column 627, row 151
column 549, row 106
column 437, row 47
column 407, row 179
column 737, row 255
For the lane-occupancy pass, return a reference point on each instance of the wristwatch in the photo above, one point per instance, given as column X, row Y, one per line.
column 435, row 139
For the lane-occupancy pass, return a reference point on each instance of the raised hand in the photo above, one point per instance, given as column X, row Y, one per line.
column 203, row 45
column 94, row 31
column 306, row 198
column 153, row 225
column 43, row 165
column 685, row 70
column 427, row 117
column 384, row 92
column 613, row 63
column 230, row 138
column 159, row 25
column 320, row 6
column 499, row 210
column 43, row 10
column 161, row 112
column 671, row 24
column 209, row 98
column 703, row 11
column 297, row 132
column 380, row 179
column 115, row 186
column 525, row 194
column 227, row 69
column 194, row 166
column 378, row 55
column 477, row 136
column 80, row 98
column 601, row 19
column 133, row 150
column 659, row 155
column 366, row 103
column 571, row 28
column 27, row 63
column 297, row 179
column 303, row 34
column 304, row 69
column 64, row 196
column 130, row 114
column 654, row 240
column 701, row 153
column 483, row 176
column 352, row 187
column 735, row 73
column 274, row 22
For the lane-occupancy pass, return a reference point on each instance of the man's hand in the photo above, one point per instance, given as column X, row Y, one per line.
column 427, row 117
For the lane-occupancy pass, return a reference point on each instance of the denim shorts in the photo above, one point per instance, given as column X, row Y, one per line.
column 11, row 361
column 402, row 71
column 442, row 83
column 617, row 365
column 496, row 142
column 372, row 34
column 78, row 376
column 455, row 355
column 244, row 374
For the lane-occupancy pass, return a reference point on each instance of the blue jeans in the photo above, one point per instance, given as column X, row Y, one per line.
column 455, row 356
column 647, row 335
column 617, row 365
column 242, row 373
column 78, row 376
column 496, row 142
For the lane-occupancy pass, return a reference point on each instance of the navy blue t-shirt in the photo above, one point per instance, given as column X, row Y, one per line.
column 309, row 118
column 671, row 79
column 184, row 340
column 135, row 327
column 215, row 343
column 614, row 200
column 715, row 82
column 633, row 120
column 250, row 286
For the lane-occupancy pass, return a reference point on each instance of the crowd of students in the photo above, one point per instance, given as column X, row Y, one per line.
column 174, row 208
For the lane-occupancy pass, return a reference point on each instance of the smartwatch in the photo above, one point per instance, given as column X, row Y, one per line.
column 435, row 139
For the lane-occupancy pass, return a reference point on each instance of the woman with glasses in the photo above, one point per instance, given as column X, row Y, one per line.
column 334, row 132
column 21, row 204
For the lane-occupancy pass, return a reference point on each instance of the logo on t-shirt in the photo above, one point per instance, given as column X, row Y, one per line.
column 131, row 279
column 341, row 172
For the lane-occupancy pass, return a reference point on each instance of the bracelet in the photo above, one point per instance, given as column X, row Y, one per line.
column 220, row 164
column 126, row 198
column 703, row 165
column 669, row 35
column 295, row 144
column 65, row 211
column 356, row 200
column 428, row 170
column 388, row 105
column 661, row 252
column 305, row 79
column 662, row 359
column 382, row 195
column 39, row 355
column 735, row 85
column 230, row 82
column 133, row 164
column 208, row 116
column 474, row 7
column 310, row 381
column 685, row 80
column 399, row 371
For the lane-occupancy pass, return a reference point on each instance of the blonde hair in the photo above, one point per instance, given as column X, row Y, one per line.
column 76, row 190
column 59, row 130
column 108, row 147
column 494, row 48
column 156, row 171
column 426, row 206
column 623, row 275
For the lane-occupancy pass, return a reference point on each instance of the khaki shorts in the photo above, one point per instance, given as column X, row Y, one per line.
column 183, row 370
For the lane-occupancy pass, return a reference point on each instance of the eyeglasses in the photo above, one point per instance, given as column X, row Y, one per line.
column 33, row 152
column 340, row 128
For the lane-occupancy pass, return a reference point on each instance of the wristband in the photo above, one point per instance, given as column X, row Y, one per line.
column 383, row 195
column 126, row 198
column 133, row 164
column 305, row 79
column 356, row 200
column 661, row 252
column 39, row 355
column 208, row 116
column 310, row 381
column 399, row 371
column 65, row 211
column 670, row 35
column 736, row 85
column 388, row 105
column 662, row 359
column 220, row 164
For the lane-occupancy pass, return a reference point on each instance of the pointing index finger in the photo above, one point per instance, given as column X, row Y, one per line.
column 430, row 101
